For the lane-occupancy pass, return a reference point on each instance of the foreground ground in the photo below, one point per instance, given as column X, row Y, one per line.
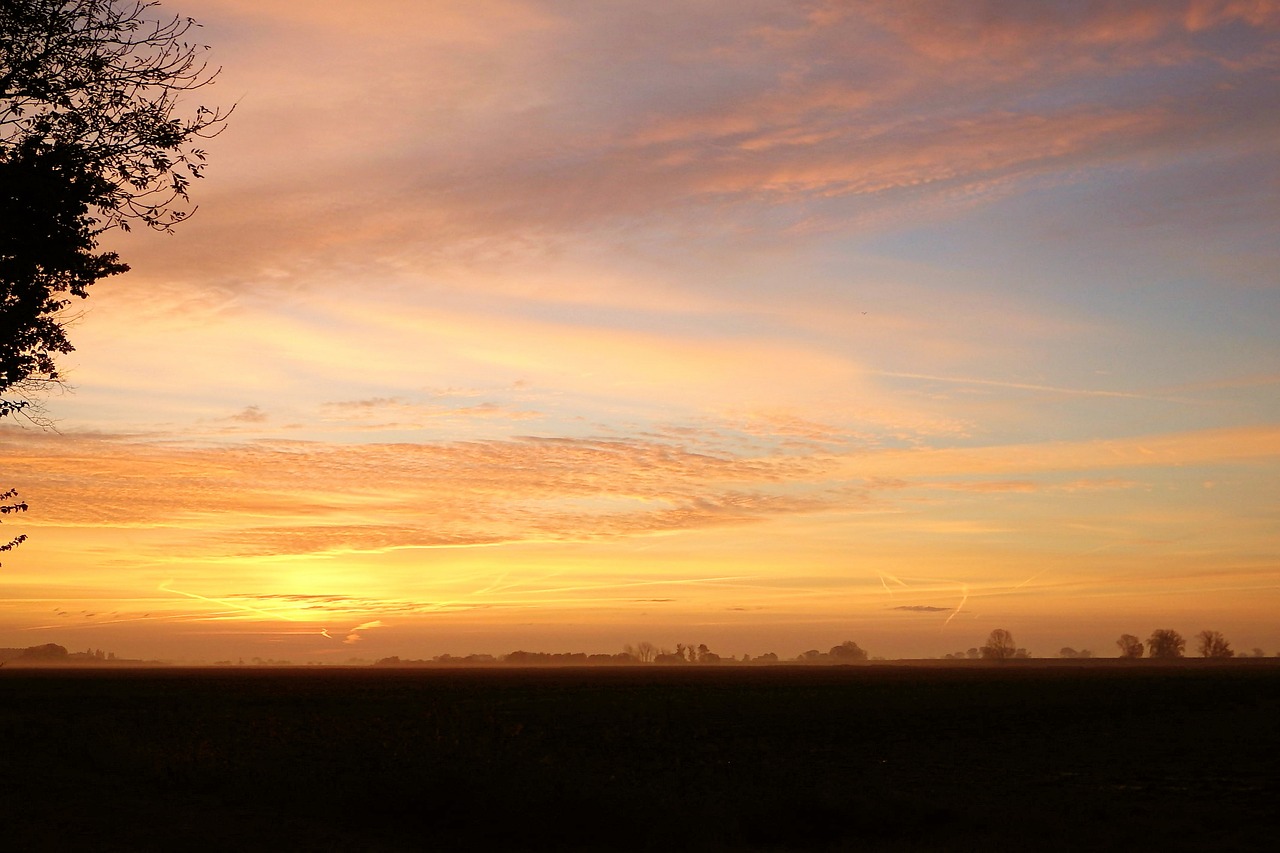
column 784, row 758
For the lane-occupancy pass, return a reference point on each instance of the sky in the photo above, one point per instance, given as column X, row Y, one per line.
column 558, row 325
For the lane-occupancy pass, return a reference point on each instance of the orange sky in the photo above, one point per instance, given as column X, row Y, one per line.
column 564, row 325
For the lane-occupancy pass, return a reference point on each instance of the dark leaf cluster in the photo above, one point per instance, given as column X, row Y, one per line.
column 105, row 78
column 47, row 255
column 91, row 137
column 9, row 503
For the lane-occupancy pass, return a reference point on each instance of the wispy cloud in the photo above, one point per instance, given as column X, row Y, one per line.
column 383, row 413
column 250, row 415
column 1031, row 386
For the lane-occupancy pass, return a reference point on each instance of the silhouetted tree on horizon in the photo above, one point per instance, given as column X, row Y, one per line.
column 1130, row 646
column 1211, row 644
column 999, row 645
column 644, row 651
column 1165, row 643
column 847, row 652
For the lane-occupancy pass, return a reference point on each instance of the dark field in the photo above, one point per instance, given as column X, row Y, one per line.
column 784, row 758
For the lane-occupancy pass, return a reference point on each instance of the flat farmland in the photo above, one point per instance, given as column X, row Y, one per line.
column 879, row 757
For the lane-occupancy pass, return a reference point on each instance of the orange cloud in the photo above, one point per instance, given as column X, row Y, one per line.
column 1214, row 446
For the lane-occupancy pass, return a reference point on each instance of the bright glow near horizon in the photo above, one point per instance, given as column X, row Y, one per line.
column 561, row 325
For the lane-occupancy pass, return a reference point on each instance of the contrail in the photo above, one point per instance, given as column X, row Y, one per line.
column 896, row 580
column 495, row 585
column 673, row 582
column 963, row 598
column 1030, row 386
column 1030, row 579
column 164, row 587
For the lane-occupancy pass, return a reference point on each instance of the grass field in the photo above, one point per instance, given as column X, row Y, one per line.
column 1015, row 757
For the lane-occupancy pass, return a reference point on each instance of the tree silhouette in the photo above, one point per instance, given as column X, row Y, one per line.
column 644, row 651
column 104, row 77
column 1211, row 644
column 999, row 645
column 47, row 252
column 9, row 503
column 1130, row 646
column 90, row 138
column 847, row 652
column 1165, row 643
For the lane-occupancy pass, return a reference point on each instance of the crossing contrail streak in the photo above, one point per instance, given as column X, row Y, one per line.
column 1031, row 386
column 165, row 587
column 963, row 598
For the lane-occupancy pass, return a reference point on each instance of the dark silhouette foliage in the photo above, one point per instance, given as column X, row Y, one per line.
column 1165, row 643
column 1129, row 645
column 46, row 652
column 47, row 253
column 643, row 651
column 687, row 653
column 105, row 77
column 91, row 138
column 9, row 503
column 1211, row 644
column 847, row 652
column 999, row 646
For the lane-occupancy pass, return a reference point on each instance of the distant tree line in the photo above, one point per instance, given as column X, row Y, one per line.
column 1164, row 643
column 1168, row 643
column 639, row 653
column 1000, row 646
column 52, row 653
